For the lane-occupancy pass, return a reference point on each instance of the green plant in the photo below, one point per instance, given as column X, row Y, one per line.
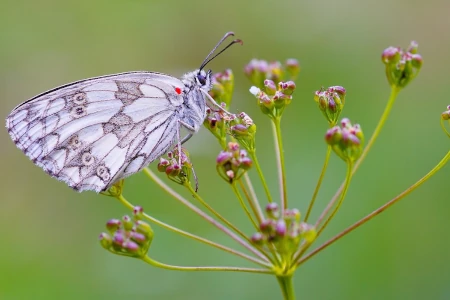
column 282, row 235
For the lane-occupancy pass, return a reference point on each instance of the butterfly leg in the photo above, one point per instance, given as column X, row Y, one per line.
column 213, row 102
column 186, row 138
column 182, row 141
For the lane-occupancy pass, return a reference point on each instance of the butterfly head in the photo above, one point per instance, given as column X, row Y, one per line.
column 198, row 78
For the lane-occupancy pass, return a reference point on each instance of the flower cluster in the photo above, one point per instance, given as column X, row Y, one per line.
column 274, row 98
column 401, row 65
column 284, row 230
column 222, row 87
column 177, row 166
column 129, row 236
column 260, row 70
column 331, row 102
column 232, row 163
column 346, row 141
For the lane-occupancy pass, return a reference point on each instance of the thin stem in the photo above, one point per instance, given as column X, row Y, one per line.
column 241, row 201
column 122, row 199
column 214, row 212
column 253, row 204
column 348, row 178
column 306, row 246
column 378, row 211
column 248, row 181
column 179, row 268
column 286, row 287
column 199, row 212
column 443, row 127
column 394, row 93
column 261, row 175
column 276, row 126
column 319, row 183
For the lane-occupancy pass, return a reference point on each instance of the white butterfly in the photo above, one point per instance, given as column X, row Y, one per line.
column 93, row 132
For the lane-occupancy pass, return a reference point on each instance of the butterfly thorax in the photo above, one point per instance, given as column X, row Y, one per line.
column 194, row 106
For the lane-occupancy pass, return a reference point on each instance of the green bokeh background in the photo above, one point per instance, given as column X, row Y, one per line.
column 48, row 245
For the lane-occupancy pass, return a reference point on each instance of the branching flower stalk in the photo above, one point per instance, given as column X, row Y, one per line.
column 282, row 235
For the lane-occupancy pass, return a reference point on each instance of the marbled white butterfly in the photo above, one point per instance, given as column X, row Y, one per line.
column 93, row 132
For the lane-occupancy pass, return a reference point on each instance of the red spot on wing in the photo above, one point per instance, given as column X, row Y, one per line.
column 178, row 90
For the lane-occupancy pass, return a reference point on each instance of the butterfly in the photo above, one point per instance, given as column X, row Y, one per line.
column 94, row 132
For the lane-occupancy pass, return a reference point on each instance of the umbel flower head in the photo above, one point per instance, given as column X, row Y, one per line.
column 402, row 66
column 242, row 128
column 177, row 166
column 128, row 236
column 275, row 98
column 331, row 102
column 283, row 231
column 222, row 87
column 347, row 140
column 259, row 70
column 232, row 163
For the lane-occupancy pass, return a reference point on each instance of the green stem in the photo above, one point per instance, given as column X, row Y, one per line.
column 348, row 178
column 276, row 125
column 394, row 93
column 379, row 210
column 443, row 127
column 241, row 201
column 245, row 243
column 214, row 212
column 260, row 173
column 251, row 198
column 125, row 202
column 306, row 246
column 179, row 268
column 319, row 183
column 286, row 287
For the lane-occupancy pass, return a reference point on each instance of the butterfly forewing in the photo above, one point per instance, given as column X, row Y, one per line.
column 92, row 132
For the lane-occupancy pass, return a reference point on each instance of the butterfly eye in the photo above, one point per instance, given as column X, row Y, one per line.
column 201, row 79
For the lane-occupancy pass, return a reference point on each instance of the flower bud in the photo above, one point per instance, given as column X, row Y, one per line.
column 127, row 223
column 163, row 164
column 267, row 226
column 144, row 228
column 118, row 238
column 243, row 130
column 272, row 210
column 280, row 228
column 138, row 212
column 130, row 246
column 446, row 114
column 401, row 65
column 346, row 141
column 331, row 102
column 138, row 237
column 270, row 87
column 105, row 240
column 257, row 238
column 113, row 225
column 292, row 68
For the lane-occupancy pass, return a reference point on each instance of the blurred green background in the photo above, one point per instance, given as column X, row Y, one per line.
column 49, row 247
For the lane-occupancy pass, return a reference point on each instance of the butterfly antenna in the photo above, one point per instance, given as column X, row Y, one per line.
column 209, row 58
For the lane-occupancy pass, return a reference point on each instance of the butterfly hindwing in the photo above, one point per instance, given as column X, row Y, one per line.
column 93, row 132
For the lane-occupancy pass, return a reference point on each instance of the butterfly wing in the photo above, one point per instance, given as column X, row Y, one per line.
column 94, row 132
